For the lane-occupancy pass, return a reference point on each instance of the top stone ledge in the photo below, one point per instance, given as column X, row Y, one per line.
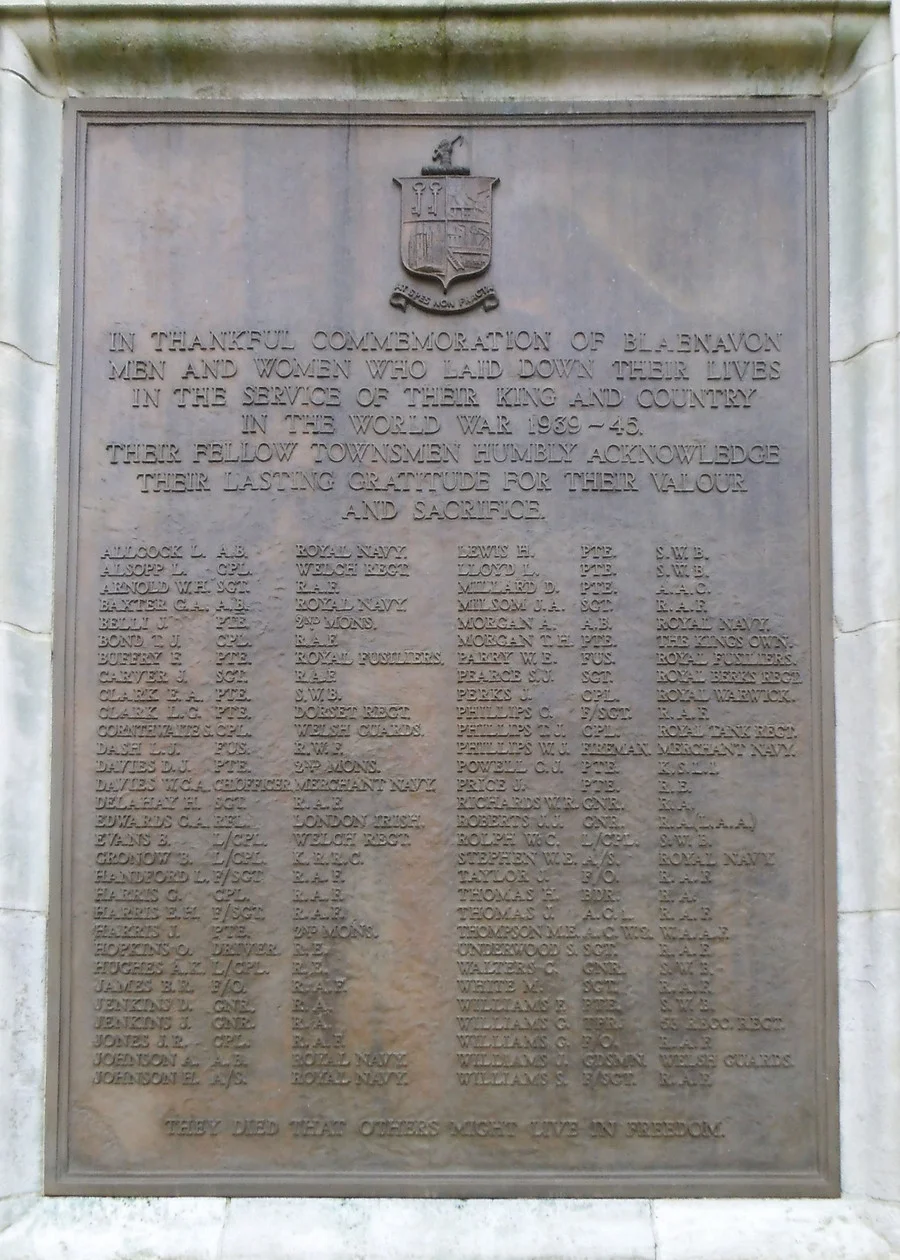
column 554, row 50
column 435, row 8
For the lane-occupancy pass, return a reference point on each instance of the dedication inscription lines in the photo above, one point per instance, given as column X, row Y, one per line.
column 444, row 757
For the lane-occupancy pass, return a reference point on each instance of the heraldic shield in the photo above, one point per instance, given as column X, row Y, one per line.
column 445, row 225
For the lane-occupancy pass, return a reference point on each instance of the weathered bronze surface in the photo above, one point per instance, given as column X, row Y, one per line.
column 443, row 758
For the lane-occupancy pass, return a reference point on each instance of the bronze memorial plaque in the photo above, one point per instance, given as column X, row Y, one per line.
column 444, row 728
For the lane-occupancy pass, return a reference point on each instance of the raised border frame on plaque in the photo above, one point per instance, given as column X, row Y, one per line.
column 402, row 1171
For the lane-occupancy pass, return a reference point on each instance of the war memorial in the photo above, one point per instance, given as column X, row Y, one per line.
column 449, row 631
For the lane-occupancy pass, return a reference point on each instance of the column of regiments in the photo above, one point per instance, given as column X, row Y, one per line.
column 687, row 858
column 725, row 682
column 353, row 718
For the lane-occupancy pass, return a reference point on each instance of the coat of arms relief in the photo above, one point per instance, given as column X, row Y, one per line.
column 445, row 232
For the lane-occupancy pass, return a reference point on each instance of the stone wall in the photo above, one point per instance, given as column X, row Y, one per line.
column 472, row 50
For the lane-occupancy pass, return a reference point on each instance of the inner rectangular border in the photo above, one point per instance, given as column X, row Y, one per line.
column 79, row 117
